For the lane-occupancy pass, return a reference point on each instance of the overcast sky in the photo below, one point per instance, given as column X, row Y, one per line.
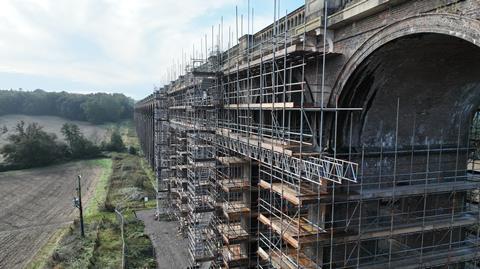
column 110, row 45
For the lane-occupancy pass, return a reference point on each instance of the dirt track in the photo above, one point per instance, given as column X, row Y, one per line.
column 36, row 202
column 170, row 248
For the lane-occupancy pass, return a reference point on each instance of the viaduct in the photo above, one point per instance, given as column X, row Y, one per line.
column 343, row 135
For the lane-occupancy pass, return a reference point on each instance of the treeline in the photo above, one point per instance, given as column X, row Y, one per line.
column 96, row 108
column 30, row 146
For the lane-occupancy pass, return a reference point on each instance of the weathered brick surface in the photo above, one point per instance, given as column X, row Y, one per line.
column 349, row 38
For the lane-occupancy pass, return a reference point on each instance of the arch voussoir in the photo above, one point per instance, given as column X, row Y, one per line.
column 447, row 24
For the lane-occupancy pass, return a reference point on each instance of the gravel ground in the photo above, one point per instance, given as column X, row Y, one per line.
column 171, row 249
column 34, row 203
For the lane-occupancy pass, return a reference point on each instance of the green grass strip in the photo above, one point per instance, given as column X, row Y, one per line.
column 98, row 200
column 42, row 257
column 150, row 173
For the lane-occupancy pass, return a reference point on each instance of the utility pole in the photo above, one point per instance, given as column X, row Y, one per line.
column 78, row 204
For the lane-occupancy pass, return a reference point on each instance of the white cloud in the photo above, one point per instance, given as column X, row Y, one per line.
column 105, row 43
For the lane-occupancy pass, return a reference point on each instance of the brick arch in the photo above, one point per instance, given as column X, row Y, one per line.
column 447, row 24
column 431, row 64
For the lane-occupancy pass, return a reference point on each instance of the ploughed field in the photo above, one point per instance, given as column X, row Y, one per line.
column 34, row 203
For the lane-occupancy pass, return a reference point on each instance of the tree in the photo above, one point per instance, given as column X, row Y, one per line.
column 79, row 146
column 31, row 146
column 103, row 108
column 116, row 142
column 95, row 108
column 132, row 150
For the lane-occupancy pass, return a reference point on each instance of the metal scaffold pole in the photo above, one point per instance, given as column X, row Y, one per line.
column 263, row 162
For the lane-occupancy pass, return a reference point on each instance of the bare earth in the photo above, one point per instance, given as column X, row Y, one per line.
column 170, row 248
column 36, row 202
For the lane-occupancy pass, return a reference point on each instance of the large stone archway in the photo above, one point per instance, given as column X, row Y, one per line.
column 447, row 24
column 429, row 66
column 418, row 84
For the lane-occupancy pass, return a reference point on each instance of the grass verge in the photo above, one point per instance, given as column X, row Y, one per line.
column 149, row 172
column 43, row 255
column 96, row 204
column 129, row 184
column 123, row 185
column 43, row 258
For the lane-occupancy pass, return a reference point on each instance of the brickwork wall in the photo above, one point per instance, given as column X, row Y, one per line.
column 350, row 37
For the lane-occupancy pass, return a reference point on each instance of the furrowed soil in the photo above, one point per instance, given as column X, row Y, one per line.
column 35, row 203
column 117, row 197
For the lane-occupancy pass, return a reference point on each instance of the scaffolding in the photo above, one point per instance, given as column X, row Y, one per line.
column 233, row 190
column 256, row 178
column 162, row 152
column 191, row 108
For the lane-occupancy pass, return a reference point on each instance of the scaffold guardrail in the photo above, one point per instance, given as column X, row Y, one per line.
column 312, row 169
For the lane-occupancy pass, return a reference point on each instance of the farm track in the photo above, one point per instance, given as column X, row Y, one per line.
column 171, row 248
column 34, row 204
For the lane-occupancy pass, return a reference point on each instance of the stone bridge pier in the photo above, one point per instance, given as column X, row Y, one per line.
column 414, row 70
